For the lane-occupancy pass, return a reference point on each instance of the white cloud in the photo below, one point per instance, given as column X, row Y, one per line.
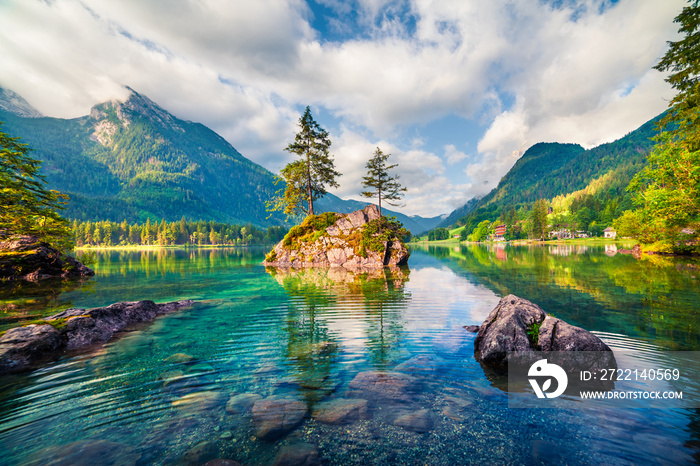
column 452, row 155
column 527, row 71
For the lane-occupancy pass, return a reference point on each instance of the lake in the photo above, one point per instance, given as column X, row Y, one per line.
column 173, row 391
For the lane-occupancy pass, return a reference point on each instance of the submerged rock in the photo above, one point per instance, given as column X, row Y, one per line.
column 199, row 454
column 28, row 258
column 418, row 421
column 338, row 244
column 200, row 401
column 341, row 411
column 425, row 364
column 276, row 416
column 243, row 403
column 22, row 347
column 300, row 454
column 383, row 386
column 517, row 325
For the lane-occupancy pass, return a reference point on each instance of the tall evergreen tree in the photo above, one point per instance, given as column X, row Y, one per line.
column 539, row 218
column 383, row 186
column 27, row 207
column 308, row 177
column 667, row 190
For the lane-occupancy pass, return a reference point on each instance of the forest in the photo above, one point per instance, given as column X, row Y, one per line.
column 181, row 233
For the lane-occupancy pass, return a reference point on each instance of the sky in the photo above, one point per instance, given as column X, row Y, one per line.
column 454, row 90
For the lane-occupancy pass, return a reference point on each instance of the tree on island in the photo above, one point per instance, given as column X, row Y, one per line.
column 667, row 190
column 308, row 177
column 383, row 186
column 27, row 207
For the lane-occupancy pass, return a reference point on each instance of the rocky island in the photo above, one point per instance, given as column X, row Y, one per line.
column 28, row 258
column 361, row 239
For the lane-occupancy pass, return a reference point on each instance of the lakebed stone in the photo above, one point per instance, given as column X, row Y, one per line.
column 390, row 387
column 338, row 245
column 28, row 258
column 276, row 416
column 242, row 403
column 341, row 411
column 417, row 421
column 23, row 347
column 299, row 454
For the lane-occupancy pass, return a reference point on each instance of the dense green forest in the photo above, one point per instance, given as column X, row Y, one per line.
column 182, row 232
column 585, row 189
column 134, row 161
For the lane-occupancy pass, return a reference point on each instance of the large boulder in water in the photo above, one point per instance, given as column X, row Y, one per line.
column 518, row 326
column 23, row 347
column 28, row 258
column 361, row 239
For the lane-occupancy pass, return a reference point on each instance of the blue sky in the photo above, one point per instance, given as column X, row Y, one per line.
column 455, row 90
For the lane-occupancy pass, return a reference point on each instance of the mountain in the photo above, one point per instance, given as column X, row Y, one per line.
column 548, row 170
column 133, row 160
column 12, row 102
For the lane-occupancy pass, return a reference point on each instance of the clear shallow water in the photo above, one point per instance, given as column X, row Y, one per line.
column 156, row 394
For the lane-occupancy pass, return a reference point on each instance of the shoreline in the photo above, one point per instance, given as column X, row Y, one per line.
column 147, row 247
column 591, row 241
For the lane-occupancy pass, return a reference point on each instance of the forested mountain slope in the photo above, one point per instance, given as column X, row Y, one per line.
column 133, row 160
column 548, row 170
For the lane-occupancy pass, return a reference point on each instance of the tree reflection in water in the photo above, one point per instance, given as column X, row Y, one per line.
column 372, row 300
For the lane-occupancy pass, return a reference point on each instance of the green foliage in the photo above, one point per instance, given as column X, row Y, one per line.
column 182, row 232
column 58, row 324
column 438, row 234
column 667, row 190
column 539, row 219
column 306, row 179
column 27, row 207
column 310, row 229
column 683, row 61
column 533, row 332
column 481, row 232
column 379, row 231
column 378, row 180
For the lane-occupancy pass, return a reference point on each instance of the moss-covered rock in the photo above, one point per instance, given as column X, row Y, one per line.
column 28, row 258
column 358, row 239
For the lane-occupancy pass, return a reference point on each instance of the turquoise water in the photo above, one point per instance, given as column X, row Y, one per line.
column 158, row 394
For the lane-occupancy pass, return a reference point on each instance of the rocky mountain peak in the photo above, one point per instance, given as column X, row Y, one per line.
column 14, row 103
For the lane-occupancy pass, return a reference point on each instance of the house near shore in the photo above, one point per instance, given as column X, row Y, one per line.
column 499, row 232
column 609, row 233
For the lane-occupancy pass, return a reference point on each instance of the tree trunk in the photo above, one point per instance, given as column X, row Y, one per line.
column 308, row 181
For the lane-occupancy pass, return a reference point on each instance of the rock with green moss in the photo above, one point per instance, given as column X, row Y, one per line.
column 361, row 239
column 28, row 258
column 518, row 326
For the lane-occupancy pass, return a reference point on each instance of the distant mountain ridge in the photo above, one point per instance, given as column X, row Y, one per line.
column 134, row 160
column 14, row 103
column 548, row 170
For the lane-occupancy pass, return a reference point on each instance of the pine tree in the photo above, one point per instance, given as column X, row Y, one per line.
column 308, row 177
column 667, row 190
column 27, row 207
column 384, row 186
